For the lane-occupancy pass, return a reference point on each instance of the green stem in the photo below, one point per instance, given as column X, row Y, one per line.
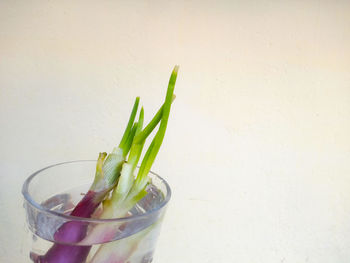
column 136, row 148
column 153, row 149
column 130, row 124
column 129, row 140
column 151, row 125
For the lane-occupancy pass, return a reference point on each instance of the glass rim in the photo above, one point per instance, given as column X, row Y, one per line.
column 37, row 206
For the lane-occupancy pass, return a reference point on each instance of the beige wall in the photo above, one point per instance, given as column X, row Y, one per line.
column 257, row 150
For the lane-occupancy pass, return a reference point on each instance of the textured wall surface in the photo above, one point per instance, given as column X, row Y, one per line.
column 257, row 150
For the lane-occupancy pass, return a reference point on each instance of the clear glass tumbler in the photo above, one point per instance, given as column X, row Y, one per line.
column 51, row 193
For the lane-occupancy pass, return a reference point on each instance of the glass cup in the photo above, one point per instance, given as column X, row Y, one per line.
column 51, row 193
